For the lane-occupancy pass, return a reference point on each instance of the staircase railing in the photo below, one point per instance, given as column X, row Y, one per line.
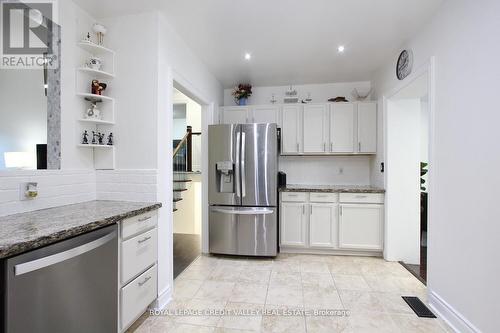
column 183, row 151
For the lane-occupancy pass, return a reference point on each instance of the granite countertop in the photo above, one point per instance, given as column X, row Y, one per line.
column 332, row 188
column 28, row 231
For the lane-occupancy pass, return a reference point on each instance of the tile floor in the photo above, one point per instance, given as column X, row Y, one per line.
column 369, row 289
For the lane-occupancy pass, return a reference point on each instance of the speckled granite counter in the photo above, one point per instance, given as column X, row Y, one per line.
column 332, row 188
column 27, row 231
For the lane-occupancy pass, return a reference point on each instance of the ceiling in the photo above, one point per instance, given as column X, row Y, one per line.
column 291, row 41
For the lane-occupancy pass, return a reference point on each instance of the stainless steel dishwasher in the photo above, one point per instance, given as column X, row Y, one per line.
column 69, row 286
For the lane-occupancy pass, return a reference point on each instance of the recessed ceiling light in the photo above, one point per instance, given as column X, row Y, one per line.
column 248, row 56
column 341, row 48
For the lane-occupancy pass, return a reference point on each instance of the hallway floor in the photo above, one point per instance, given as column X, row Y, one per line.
column 370, row 289
column 187, row 247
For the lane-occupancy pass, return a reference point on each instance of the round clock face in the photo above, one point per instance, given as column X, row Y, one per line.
column 404, row 65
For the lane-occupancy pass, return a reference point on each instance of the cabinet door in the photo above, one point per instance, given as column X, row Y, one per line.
column 323, row 225
column 360, row 226
column 265, row 114
column 315, row 128
column 367, row 127
column 234, row 115
column 291, row 129
column 342, row 128
column 293, row 224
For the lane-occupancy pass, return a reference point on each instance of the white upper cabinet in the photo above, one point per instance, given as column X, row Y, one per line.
column 315, row 128
column 265, row 114
column 323, row 225
column 367, row 127
column 342, row 128
column 234, row 115
column 291, row 129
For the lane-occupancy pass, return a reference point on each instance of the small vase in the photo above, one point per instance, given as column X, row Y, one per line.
column 242, row 101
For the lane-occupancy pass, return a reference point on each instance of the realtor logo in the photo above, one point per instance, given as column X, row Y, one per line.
column 27, row 34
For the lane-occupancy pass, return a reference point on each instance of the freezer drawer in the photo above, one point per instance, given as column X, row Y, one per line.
column 248, row 231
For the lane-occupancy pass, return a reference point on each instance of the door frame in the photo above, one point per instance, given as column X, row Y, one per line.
column 427, row 68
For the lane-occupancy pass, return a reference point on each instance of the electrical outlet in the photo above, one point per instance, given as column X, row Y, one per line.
column 28, row 191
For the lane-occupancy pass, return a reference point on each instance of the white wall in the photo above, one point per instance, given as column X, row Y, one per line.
column 402, row 229
column 319, row 92
column 463, row 265
column 326, row 170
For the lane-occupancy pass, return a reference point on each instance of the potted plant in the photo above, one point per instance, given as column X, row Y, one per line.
column 241, row 93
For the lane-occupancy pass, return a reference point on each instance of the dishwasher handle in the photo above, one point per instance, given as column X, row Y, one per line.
column 53, row 259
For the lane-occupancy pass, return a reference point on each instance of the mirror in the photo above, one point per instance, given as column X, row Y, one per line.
column 30, row 130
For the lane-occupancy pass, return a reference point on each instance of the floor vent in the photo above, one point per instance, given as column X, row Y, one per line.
column 418, row 307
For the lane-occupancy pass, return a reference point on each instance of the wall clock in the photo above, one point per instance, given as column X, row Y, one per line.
column 404, row 65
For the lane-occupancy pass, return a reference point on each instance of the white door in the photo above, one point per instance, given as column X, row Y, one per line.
column 342, row 128
column 315, row 128
column 291, row 129
column 367, row 127
column 360, row 226
column 323, row 225
column 293, row 224
column 265, row 114
column 234, row 115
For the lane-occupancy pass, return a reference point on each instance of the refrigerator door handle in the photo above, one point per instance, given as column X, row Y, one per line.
column 237, row 176
column 33, row 265
column 243, row 211
column 243, row 174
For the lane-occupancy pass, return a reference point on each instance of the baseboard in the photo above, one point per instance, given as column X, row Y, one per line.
column 451, row 316
column 298, row 250
column 162, row 301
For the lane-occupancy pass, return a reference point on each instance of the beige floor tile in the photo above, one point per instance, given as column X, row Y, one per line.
column 285, row 278
column 285, row 295
column 184, row 288
column 314, row 267
column 186, row 328
column 414, row 324
column 344, row 268
column 382, row 283
column 261, row 264
column 286, row 266
column 231, row 330
column 350, row 282
column 321, row 298
column 243, row 322
column 162, row 324
column 202, row 318
column 393, row 303
column 283, row 324
column 225, row 273
column 384, row 268
column 249, row 293
column 372, row 322
column 196, row 273
column 318, row 324
column 317, row 279
column 215, row 290
column 254, row 275
column 356, row 300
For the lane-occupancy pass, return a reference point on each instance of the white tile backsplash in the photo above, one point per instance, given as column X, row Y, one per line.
column 55, row 188
column 127, row 185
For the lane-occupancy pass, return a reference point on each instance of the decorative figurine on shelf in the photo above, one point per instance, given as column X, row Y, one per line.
column 100, row 137
column 100, row 31
column 110, row 139
column 93, row 112
column 97, row 87
column 85, row 140
column 94, row 62
column 87, row 38
column 94, row 141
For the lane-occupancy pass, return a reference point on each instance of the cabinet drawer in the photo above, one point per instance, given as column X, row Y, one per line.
column 294, row 196
column 138, row 224
column 362, row 197
column 137, row 295
column 324, row 197
column 137, row 254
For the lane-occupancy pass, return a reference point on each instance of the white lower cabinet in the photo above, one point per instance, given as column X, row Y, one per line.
column 293, row 232
column 323, row 225
column 361, row 226
column 319, row 221
column 137, row 295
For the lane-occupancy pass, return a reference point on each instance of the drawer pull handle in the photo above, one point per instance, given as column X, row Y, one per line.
column 142, row 219
column 146, row 279
column 140, row 241
column 361, row 196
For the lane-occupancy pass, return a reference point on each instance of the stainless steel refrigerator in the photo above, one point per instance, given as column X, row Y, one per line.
column 243, row 167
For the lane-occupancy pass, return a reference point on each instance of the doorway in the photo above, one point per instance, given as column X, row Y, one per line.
column 187, row 180
column 407, row 140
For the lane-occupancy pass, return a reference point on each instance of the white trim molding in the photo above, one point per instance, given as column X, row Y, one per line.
column 451, row 316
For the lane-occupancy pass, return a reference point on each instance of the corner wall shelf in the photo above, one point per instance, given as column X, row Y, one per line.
column 97, row 121
column 96, row 72
column 95, row 98
column 95, row 146
column 94, row 48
